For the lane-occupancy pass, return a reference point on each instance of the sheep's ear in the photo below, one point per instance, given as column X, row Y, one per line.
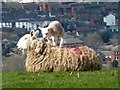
column 31, row 33
column 50, row 30
column 36, row 33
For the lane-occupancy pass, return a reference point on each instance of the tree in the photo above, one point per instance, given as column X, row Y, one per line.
column 115, row 63
column 93, row 40
column 105, row 35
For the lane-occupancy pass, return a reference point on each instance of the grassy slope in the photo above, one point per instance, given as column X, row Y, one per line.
column 96, row 79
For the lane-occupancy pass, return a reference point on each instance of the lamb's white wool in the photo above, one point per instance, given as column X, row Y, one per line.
column 53, row 32
column 44, row 32
column 22, row 43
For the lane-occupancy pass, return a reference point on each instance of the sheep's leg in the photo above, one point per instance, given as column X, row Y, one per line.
column 61, row 42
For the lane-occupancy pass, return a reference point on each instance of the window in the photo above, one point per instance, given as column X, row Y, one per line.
column 116, row 53
column 109, row 56
column 116, row 58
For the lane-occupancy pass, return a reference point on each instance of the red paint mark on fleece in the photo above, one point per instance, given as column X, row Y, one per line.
column 78, row 51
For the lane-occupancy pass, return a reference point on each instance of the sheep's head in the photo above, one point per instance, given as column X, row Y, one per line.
column 23, row 41
column 37, row 45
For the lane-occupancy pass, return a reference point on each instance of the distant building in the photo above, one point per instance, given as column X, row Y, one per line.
column 30, row 24
column 113, row 54
column 110, row 19
column 6, row 24
column 27, row 24
column 107, row 54
column 116, row 54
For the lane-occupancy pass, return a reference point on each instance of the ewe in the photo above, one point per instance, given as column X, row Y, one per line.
column 42, row 56
column 46, row 57
column 54, row 31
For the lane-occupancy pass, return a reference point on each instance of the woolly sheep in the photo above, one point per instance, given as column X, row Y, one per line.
column 53, row 32
column 46, row 57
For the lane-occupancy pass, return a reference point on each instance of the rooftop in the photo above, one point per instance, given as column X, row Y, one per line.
column 116, row 48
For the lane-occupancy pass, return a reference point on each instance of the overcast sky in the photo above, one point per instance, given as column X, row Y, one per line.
column 26, row 1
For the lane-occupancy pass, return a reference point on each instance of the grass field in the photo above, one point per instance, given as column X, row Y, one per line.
column 96, row 79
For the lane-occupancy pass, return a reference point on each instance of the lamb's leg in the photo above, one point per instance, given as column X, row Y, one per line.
column 48, row 40
column 61, row 42
column 53, row 41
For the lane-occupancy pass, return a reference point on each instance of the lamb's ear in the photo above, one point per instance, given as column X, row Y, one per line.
column 41, row 29
column 31, row 33
column 50, row 30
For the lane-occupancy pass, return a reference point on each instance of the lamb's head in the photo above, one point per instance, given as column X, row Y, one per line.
column 47, row 32
column 23, row 41
column 44, row 32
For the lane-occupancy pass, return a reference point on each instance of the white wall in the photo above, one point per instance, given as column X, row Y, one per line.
column 28, row 25
column 9, row 25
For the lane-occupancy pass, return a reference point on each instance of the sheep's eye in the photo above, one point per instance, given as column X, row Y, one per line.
column 25, row 38
column 46, row 33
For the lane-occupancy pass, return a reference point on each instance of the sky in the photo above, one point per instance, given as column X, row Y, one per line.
column 25, row 1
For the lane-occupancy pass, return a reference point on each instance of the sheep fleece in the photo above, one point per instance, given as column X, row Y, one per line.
column 57, row 59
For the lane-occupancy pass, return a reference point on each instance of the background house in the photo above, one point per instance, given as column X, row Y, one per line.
column 116, row 54
column 111, row 22
column 107, row 54
column 110, row 19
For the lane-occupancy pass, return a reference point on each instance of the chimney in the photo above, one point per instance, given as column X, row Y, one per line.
column 44, row 7
column 41, row 7
column 49, row 8
column 74, row 16
column 72, row 10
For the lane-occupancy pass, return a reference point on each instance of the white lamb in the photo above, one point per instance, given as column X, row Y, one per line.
column 53, row 32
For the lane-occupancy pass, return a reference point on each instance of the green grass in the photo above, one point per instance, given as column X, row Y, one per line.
column 96, row 79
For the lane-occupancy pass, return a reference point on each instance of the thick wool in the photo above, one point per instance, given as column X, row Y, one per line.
column 45, row 57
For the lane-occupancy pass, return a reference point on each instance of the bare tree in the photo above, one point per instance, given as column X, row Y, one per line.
column 93, row 40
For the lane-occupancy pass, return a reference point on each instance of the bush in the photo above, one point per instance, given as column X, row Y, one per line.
column 115, row 63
